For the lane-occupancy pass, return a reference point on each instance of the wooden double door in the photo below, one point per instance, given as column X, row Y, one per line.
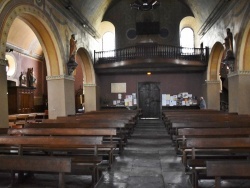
column 149, row 99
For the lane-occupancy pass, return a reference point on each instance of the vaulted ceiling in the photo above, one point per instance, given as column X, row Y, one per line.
column 93, row 12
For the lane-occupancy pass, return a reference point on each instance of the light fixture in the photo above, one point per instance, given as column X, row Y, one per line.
column 148, row 73
column 145, row 5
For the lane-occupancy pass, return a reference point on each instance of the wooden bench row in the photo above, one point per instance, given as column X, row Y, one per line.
column 49, row 149
column 209, row 147
column 84, row 141
column 88, row 158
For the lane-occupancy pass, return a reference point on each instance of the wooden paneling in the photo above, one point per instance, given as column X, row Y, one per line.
column 20, row 100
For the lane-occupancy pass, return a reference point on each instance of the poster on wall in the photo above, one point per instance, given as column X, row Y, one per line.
column 118, row 87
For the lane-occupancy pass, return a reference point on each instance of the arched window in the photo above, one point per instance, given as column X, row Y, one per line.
column 11, row 67
column 108, row 43
column 187, row 39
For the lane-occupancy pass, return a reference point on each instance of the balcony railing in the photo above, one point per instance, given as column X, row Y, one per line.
column 152, row 51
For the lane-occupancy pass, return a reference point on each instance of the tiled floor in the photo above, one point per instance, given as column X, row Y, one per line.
column 149, row 161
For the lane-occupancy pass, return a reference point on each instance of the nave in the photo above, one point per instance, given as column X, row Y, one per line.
column 148, row 161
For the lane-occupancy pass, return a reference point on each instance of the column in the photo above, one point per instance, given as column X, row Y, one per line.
column 239, row 92
column 212, row 94
column 4, row 121
column 92, row 97
column 61, row 96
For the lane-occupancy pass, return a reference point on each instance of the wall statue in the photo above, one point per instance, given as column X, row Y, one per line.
column 72, row 55
column 30, row 78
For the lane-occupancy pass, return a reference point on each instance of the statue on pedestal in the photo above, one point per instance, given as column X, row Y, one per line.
column 72, row 64
column 229, row 58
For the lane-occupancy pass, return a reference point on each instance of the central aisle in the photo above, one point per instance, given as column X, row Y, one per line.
column 148, row 161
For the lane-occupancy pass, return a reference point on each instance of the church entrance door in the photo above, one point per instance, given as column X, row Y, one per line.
column 149, row 99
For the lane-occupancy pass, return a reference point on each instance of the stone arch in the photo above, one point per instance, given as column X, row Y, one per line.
column 44, row 30
column 213, row 82
column 215, row 62
column 90, row 88
column 244, row 57
column 83, row 58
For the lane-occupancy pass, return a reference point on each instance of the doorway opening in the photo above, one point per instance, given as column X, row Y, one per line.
column 149, row 99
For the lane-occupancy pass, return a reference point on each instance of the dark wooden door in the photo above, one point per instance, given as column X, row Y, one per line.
column 149, row 99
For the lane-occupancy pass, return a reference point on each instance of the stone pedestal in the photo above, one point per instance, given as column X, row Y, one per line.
column 212, row 94
column 239, row 92
column 61, row 96
column 4, row 121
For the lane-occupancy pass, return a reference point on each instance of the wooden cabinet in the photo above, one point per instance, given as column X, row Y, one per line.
column 20, row 100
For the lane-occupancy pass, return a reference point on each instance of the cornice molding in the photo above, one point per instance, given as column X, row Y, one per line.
column 60, row 77
column 223, row 7
column 212, row 81
column 239, row 73
column 89, row 85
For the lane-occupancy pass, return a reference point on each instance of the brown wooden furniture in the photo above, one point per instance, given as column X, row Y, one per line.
column 20, row 100
column 14, row 163
column 83, row 151
column 106, row 148
column 121, row 128
column 216, row 148
column 227, row 169
column 185, row 133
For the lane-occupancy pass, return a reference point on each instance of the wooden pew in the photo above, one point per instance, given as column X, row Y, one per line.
column 58, row 146
column 173, row 130
column 123, row 127
column 106, row 147
column 186, row 133
column 215, row 148
column 227, row 169
column 12, row 120
column 123, row 130
column 13, row 163
column 22, row 119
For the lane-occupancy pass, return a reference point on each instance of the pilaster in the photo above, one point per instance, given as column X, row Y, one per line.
column 238, row 92
column 91, row 93
column 4, row 121
column 212, row 94
column 61, row 96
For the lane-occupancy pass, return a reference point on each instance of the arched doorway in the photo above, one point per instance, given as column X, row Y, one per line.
column 46, row 34
column 90, row 89
column 213, row 82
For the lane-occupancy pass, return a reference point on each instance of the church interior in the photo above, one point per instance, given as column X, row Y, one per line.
column 144, row 62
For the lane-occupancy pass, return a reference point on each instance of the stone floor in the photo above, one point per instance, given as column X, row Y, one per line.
column 149, row 161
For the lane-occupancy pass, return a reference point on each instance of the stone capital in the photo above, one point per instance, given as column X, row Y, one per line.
column 60, row 77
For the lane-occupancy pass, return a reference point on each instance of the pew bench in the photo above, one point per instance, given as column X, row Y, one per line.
column 227, row 169
column 107, row 147
column 198, row 150
column 185, row 133
column 129, row 125
column 121, row 129
column 83, row 151
column 15, row 163
column 173, row 130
